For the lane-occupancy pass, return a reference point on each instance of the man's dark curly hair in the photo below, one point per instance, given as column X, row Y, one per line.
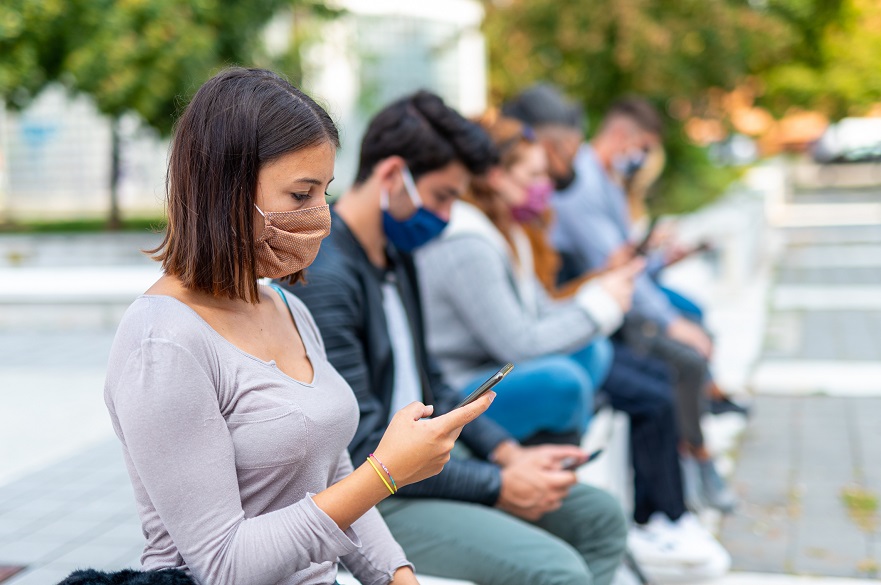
column 427, row 134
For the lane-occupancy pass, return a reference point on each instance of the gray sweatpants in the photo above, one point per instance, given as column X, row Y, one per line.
column 690, row 370
column 580, row 544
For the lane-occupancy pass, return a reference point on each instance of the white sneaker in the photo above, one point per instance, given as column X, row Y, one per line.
column 652, row 548
column 692, row 535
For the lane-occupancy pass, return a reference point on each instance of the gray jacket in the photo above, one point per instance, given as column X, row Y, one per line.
column 592, row 221
column 483, row 308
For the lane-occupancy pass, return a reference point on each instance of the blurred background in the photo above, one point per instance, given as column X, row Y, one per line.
column 773, row 111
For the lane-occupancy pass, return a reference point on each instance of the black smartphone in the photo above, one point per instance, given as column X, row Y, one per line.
column 487, row 386
column 571, row 463
column 643, row 247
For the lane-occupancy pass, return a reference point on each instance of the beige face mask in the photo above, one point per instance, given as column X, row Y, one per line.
column 290, row 240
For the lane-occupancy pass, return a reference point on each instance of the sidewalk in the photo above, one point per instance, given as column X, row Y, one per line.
column 809, row 467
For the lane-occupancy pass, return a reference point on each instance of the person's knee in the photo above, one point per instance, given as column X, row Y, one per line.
column 691, row 364
column 568, row 387
column 596, row 359
column 560, row 566
column 610, row 517
column 602, row 516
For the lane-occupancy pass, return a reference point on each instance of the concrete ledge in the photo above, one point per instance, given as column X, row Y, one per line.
column 805, row 378
column 94, row 285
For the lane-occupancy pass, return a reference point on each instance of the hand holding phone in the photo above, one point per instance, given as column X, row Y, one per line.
column 488, row 385
column 572, row 463
column 642, row 248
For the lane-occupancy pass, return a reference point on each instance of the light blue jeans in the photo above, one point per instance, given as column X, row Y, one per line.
column 553, row 393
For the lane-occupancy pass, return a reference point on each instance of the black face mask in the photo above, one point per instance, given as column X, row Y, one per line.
column 563, row 183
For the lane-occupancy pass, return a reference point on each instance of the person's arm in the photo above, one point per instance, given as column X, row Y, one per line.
column 594, row 237
column 334, row 300
column 471, row 275
column 380, row 556
column 170, row 423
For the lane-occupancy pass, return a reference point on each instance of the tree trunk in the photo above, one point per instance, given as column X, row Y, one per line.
column 114, row 221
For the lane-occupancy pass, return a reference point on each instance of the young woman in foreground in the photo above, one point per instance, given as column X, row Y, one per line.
column 233, row 424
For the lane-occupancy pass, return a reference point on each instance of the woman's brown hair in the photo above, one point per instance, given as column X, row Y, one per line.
column 238, row 121
column 510, row 137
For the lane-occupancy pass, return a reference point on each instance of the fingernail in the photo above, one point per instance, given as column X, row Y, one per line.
column 492, row 396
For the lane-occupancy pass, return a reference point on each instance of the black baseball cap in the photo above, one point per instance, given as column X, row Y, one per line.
column 544, row 104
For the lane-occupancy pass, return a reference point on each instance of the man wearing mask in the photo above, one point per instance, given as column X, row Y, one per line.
column 500, row 513
column 592, row 230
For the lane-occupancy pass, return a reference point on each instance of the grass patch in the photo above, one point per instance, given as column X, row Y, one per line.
column 862, row 507
column 77, row 226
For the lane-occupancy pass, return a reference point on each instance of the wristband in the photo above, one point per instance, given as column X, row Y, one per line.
column 387, row 472
column 379, row 473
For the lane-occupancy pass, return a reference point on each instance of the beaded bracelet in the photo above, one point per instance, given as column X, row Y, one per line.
column 379, row 473
column 387, row 472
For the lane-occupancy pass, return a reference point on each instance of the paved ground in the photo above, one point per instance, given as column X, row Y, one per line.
column 816, row 435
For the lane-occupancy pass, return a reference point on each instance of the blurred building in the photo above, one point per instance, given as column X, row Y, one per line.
column 55, row 155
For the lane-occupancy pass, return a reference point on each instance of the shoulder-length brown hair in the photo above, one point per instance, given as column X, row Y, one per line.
column 238, row 121
column 510, row 137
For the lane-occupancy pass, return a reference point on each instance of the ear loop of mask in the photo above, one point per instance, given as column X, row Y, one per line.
column 260, row 211
column 409, row 187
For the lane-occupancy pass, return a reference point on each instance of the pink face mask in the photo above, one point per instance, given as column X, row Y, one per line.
column 538, row 196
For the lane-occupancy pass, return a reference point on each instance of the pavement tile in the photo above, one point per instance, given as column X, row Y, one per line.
column 120, row 531
column 64, row 527
column 39, row 576
column 101, row 556
column 27, row 552
column 132, row 558
column 14, row 526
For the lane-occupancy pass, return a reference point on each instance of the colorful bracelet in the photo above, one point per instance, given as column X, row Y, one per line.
column 379, row 473
column 387, row 472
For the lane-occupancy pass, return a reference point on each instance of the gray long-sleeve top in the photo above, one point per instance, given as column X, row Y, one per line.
column 225, row 451
column 482, row 311
column 344, row 291
column 592, row 221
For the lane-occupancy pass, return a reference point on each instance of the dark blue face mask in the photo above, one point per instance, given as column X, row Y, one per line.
column 408, row 234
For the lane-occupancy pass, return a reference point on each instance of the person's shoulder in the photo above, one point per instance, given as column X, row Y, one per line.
column 156, row 327
column 162, row 317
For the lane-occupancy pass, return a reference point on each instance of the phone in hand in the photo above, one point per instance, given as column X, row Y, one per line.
column 572, row 463
column 642, row 248
column 487, row 386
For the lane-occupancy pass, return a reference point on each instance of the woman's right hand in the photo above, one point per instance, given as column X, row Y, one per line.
column 414, row 449
column 619, row 283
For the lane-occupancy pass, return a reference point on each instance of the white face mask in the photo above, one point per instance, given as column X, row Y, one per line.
column 290, row 240
column 627, row 165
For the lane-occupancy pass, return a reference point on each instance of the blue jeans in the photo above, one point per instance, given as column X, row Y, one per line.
column 553, row 393
column 689, row 309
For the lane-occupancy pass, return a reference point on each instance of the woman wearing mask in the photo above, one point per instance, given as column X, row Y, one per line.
column 233, row 424
column 484, row 305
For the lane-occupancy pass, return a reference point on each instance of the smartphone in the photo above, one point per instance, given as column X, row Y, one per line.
column 643, row 247
column 487, row 386
column 571, row 463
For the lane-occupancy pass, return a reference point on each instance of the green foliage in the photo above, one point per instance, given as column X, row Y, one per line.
column 657, row 48
column 87, row 225
column 834, row 66
column 690, row 179
column 145, row 56
column 819, row 54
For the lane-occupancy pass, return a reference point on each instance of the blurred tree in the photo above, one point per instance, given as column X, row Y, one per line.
column 684, row 54
column 833, row 68
column 141, row 56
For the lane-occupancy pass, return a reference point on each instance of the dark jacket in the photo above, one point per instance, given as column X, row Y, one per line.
column 344, row 293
